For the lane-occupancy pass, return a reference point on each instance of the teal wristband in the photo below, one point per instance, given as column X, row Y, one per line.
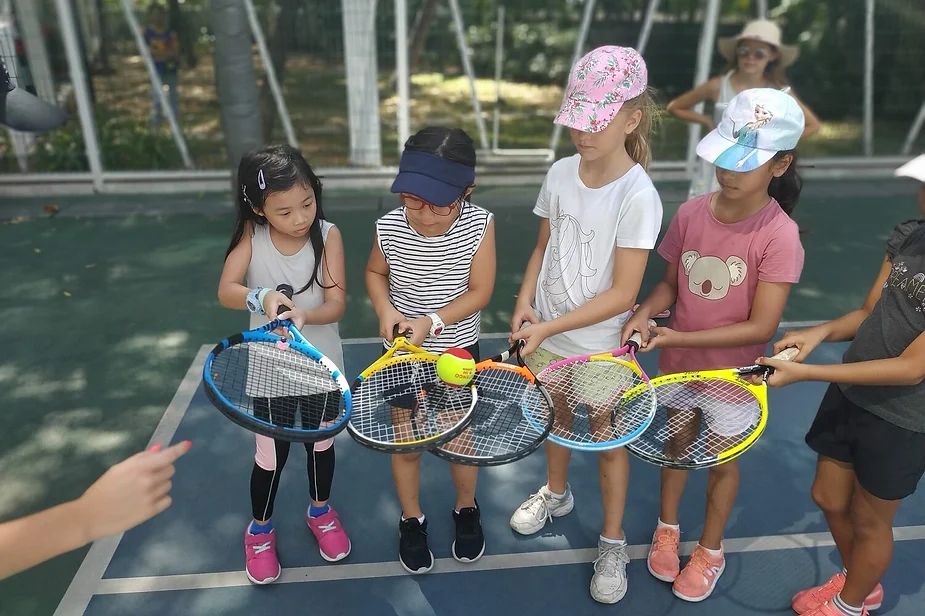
column 260, row 297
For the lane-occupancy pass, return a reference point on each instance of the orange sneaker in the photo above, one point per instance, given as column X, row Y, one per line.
column 807, row 600
column 828, row 609
column 699, row 577
column 663, row 561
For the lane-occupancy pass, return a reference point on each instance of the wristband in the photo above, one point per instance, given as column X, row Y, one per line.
column 260, row 297
column 253, row 300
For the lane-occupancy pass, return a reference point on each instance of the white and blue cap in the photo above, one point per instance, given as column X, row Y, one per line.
column 756, row 125
column 914, row 169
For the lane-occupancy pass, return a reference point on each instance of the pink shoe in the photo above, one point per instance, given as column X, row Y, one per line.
column 699, row 577
column 333, row 542
column 828, row 609
column 807, row 600
column 663, row 561
column 261, row 563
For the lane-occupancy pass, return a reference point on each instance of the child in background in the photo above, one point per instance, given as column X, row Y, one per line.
column 432, row 270
column 600, row 216
column 281, row 236
column 869, row 431
column 757, row 59
column 732, row 257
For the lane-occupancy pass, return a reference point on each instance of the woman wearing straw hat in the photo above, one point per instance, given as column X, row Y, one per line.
column 757, row 59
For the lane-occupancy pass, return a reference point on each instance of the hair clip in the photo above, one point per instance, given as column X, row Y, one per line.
column 261, row 182
column 244, row 190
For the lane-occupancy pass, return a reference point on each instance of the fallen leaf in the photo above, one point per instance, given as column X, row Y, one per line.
column 37, row 250
column 51, row 209
column 67, row 294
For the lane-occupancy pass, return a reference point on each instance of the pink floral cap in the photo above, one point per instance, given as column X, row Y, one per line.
column 598, row 86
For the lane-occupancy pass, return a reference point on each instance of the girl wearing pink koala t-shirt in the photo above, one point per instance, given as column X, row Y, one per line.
column 732, row 258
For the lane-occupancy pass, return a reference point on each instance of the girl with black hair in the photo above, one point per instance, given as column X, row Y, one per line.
column 732, row 256
column 432, row 270
column 281, row 236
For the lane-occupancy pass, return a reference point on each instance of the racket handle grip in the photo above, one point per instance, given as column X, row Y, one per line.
column 286, row 290
column 396, row 332
column 635, row 340
column 787, row 354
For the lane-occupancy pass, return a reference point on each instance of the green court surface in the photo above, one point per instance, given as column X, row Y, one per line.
column 105, row 305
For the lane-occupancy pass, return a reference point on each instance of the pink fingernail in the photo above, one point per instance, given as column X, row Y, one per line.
column 155, row 447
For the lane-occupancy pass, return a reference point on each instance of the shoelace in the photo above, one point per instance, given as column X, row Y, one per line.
column 666, row 542
column 535, row 503
column 332, row 525
column 700, row 562
column 610, row 558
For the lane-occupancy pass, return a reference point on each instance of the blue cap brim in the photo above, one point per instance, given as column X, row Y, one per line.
column 428, row 189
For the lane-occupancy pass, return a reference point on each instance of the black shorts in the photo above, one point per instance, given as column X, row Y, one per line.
column 888, row 460
column 473, row 350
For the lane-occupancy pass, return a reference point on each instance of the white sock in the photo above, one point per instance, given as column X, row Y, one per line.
column 557, row 496
column 420, row 519
column 713, row 553
column 846, row 609
column 613, row 541
column 671, row 526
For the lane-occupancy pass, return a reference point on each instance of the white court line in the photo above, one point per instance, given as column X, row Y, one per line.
column 365, row 571
column 86, row 581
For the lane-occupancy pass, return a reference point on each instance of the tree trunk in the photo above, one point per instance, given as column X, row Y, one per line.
column 424, row 19
column 279, row 41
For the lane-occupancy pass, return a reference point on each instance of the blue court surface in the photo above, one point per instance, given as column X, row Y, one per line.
column 190, row 559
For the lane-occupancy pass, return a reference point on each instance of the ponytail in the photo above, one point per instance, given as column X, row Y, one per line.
column 639, row 142
column 786, row 189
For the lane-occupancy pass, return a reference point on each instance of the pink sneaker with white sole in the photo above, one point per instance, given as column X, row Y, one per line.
column 807, row 600
column 333, row 542
column 260, row 561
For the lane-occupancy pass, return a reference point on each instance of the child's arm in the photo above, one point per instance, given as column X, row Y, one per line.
column 767, row 310
column 333, row 276
column 231, row 293
column 523, row 307
column 908, row 369
column 475, row 298
column 681, row 107
column 377, row 286
column 129, row 493
column 662, row 297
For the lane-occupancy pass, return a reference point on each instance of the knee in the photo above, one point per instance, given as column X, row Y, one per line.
column 726, row 470
column 400, row 459
column 828, row 500
column 614, row 456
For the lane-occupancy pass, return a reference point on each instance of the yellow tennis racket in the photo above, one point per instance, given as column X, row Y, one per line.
column 706, row 418
column 400, row 405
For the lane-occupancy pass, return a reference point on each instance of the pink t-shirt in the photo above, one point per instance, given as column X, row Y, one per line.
column 719, row 266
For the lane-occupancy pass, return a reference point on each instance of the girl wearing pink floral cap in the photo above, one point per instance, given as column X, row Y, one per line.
column 600, row 217
column 732, row 256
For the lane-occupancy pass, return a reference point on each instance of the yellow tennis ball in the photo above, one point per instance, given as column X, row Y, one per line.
column 456, row 367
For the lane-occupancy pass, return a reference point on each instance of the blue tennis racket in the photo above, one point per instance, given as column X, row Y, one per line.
column 278, row 386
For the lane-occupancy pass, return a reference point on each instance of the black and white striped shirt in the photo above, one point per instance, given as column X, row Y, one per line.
column 427, row 273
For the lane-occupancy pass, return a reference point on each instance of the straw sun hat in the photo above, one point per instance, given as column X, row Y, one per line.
column 762, row 30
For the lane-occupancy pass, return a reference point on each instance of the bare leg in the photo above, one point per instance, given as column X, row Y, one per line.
column 722, row 489
column 465, row 479
column 406, row 471
column 873, row 544
column 557, row 459
column 614, row 471
column 833, row 491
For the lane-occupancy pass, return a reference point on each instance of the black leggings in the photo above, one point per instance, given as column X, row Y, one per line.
column 272, row 454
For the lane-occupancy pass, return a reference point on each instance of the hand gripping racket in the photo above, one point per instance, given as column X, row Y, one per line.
column 276, row 386
column 512, row 418
column 706, row 418
column 602, row 401
column 400, row 405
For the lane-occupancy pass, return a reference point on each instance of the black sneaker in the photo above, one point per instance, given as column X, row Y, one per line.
column 413, row 553
column 470, row 542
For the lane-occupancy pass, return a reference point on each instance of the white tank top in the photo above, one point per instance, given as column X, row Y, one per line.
column 269, row 268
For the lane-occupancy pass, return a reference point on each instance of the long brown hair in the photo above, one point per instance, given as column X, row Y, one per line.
column 639, row 142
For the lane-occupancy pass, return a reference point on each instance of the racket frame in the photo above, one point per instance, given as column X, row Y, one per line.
column 736, row 376
column 402, row 351
column 254, row 424
column 499, row 362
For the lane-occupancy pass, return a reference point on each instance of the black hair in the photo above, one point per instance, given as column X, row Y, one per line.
column 786, row 189
column 273, row 169
column 449, row 143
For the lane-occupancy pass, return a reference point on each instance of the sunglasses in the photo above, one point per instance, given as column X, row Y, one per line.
column 410, row 202
column 760, row 53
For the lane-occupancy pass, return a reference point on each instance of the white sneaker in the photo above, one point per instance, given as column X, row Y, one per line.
column 533, row 514
column 609, row 582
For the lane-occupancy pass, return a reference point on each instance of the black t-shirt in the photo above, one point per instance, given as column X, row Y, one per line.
column 896, row 321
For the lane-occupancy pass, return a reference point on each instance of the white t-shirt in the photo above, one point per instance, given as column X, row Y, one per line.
column 586, row 227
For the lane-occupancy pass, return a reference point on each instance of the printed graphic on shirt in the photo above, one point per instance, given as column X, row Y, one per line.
column 571, row 261
column 914, row 286
column 710, row 277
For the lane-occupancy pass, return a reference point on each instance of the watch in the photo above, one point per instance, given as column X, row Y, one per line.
column 253, row 300
column 437, row 325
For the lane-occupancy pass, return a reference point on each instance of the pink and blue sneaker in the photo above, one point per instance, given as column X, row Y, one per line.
column 333, row 543
column 261, row 563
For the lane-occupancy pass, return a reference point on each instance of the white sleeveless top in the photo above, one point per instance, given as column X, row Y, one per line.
column 269, row 268
column 427, row 273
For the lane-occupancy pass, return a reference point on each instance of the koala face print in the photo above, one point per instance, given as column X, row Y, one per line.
column 710, row 277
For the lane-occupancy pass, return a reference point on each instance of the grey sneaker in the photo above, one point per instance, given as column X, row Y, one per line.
column 541, row 507
column 609, row 582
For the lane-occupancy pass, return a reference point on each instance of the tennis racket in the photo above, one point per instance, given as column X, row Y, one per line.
column 277, row 386
column 400, row 405
column 706, row 418
column 512, row 418
column 602, row 401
